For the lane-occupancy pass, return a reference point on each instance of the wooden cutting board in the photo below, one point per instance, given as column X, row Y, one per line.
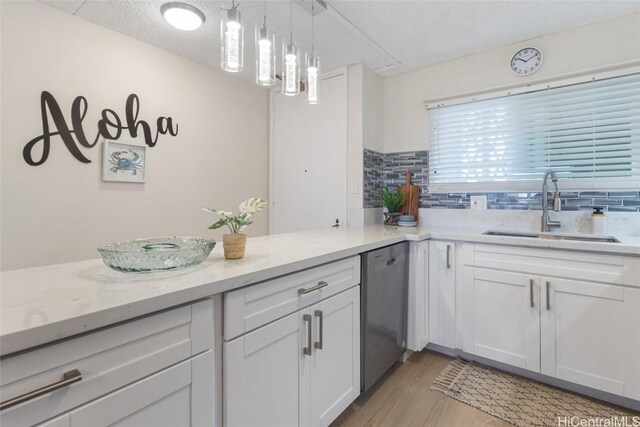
column 411, row 197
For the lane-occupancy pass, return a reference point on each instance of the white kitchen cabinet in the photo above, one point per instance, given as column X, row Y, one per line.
column 418, row 298
column 303, row 369
column 253, row 306
column 128, row 374
column 168, row 398
column 590, row 335
column 266, row 375
column 442, row 293
column 335, row 362
column 567, row 315
column 61, row 421
column 502, row 317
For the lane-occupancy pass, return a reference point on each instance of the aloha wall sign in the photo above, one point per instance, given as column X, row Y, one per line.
column 73, row 133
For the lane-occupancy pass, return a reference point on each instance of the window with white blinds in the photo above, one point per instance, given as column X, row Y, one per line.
column 588, row 133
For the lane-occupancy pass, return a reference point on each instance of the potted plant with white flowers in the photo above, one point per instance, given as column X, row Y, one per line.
column 234, row 243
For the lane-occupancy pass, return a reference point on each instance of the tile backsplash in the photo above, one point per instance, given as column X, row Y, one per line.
column 390, row 169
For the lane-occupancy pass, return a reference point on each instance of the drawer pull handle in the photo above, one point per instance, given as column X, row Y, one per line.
column 548, row 295
column 448, row 257
column 318, row 314
column 321, row 284
column 68, row 378
column 307, row 350
column 531, row 293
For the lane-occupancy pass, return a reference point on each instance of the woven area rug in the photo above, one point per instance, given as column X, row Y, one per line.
column 517, row 400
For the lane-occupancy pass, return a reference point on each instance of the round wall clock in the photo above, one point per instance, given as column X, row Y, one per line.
column 526, row 61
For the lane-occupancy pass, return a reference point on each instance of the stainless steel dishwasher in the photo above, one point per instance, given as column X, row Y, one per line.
column 383, row 310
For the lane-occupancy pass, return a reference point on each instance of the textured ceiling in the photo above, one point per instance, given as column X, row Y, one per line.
column 391, row 36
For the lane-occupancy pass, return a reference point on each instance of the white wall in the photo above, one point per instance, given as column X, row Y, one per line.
column 575, row 51
column 355, row 134
column 372, row 105
column 364, row 130
column 61, row 211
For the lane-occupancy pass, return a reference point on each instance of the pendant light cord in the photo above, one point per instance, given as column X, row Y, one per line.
column 312, row 9
column 265, row 13
column 291, row 21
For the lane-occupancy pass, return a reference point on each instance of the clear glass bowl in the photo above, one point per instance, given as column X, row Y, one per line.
column 156, row 253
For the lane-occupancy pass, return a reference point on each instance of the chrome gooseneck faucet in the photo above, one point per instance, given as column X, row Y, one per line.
column 547, row 224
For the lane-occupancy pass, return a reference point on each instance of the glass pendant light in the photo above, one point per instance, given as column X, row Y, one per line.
column 313, row 69
column 290, row 63
column 231, row 40
column 265, row 53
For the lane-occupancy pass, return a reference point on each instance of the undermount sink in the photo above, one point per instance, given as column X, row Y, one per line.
column 533, row 235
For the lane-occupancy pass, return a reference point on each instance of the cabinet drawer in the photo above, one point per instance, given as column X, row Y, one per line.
column 107, row 359
column 163, row 399
column 257, row 305
column 549, row 262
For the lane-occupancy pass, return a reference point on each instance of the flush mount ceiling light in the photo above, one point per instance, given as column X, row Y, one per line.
column 182, row 16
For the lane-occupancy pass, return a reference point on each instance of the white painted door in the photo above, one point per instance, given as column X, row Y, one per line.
column 266, row 375
column 591, row 335
column 335, row 371
column 418, row 299
column 163, row 399
column 308, row 186
column 442, row 293
column 502, row 317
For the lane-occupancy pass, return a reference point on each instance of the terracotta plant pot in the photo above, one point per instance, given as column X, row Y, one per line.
column 234, row 245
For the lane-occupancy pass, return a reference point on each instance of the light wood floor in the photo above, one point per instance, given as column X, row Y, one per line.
column 403, row 398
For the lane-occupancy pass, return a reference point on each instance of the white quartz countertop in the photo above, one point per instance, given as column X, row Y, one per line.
column 44, row 304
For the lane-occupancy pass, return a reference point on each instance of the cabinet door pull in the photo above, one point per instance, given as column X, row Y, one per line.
column 307, row 350
column 318, row 314
column 548, row 295
column 531, row 293
column 321, row 284
column 448, row 257
column 68, row 378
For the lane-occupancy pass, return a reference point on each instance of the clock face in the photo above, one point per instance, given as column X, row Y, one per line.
column 526, row 61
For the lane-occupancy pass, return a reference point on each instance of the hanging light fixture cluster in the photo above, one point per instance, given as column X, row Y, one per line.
column 187, row 17
column 291, row 62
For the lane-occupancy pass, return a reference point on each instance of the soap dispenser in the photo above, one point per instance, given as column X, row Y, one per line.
column 599, row 221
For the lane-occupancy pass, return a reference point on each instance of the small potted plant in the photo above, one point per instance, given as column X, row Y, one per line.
column 392, row 200
column 235, row 242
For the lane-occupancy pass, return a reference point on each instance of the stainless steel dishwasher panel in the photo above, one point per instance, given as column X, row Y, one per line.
column 384, row 302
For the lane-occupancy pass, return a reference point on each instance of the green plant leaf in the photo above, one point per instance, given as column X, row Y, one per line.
column 219, row 223
column 238, row 223
column 392, row 200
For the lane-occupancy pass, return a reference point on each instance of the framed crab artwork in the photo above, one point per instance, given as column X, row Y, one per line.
column 123, row 162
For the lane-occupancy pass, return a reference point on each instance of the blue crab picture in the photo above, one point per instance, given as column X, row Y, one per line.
column 132, row 164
